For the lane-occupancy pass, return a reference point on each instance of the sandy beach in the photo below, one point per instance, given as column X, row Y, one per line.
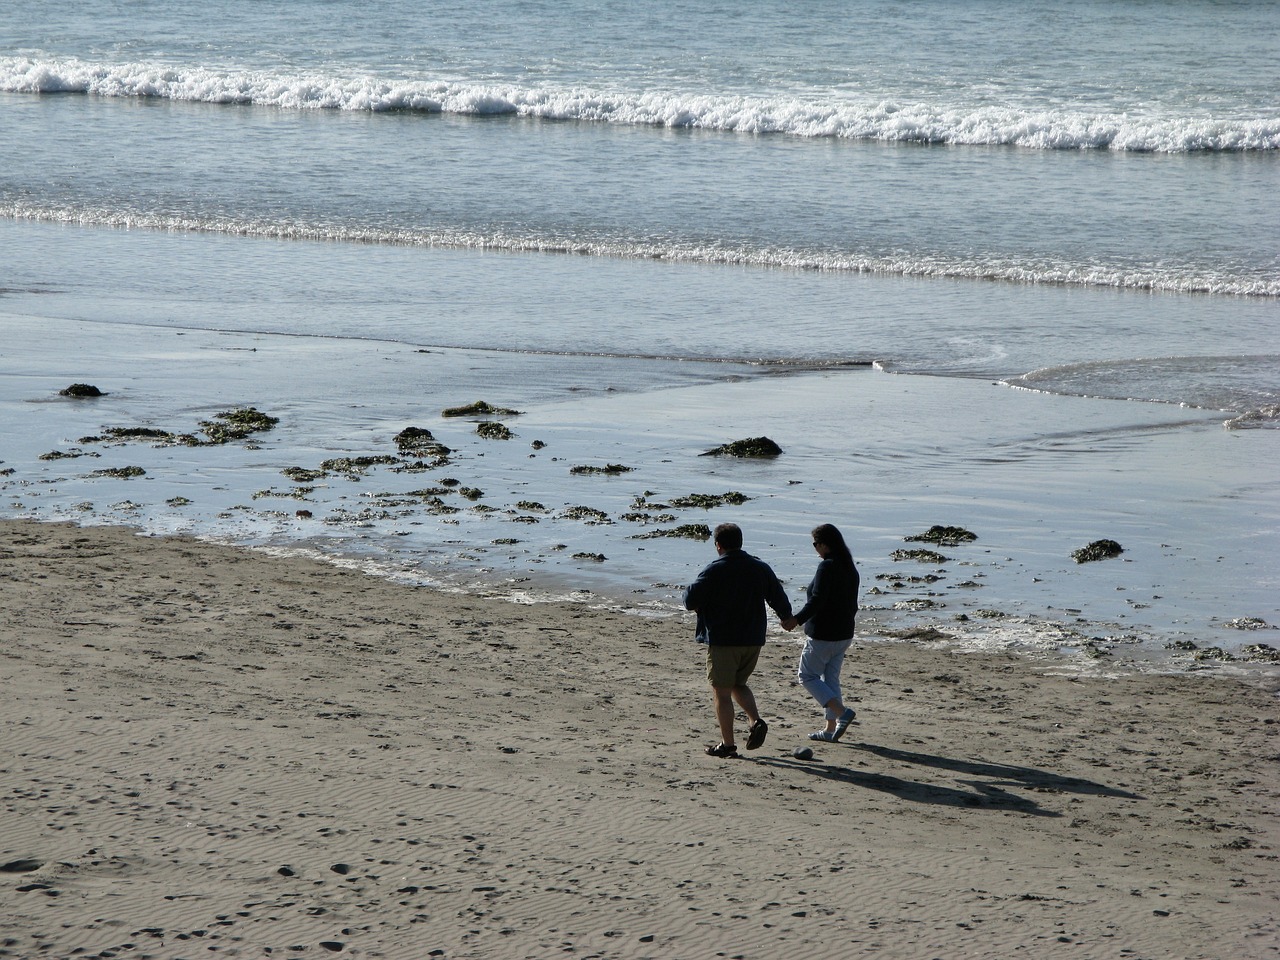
column 216, row 751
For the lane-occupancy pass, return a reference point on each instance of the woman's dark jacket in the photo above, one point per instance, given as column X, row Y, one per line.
column 833, row 601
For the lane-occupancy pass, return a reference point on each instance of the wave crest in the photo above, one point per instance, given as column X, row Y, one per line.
column 883, row 120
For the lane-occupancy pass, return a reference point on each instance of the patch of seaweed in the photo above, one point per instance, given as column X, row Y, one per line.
column 237, row 424
column 593, row 557
column 356, row 466
column 420, row 442
column 294, row 493
column 688, row 531
column 303, row 475
column 68, row 455
column 493, row 430
column 585, row 514
column 920, row 556
column 1098, row 550
column 943, row 536
column 898, row 579
column 708, row 500
column 120, row 473
column 611, row 469
column 139, row 433
column 1248, row 623
column 919, row 635
column 479, row 409
column 649, row 517
column 751, row 447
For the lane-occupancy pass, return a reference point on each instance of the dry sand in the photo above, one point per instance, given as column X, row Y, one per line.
column 209, row 751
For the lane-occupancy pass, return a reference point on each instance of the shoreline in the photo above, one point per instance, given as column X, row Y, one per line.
column 1034, row 476
column 212, row 748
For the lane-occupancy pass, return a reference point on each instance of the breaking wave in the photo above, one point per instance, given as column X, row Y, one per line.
column 884, row 120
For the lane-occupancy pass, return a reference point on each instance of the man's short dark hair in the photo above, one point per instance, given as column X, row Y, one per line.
column 729, row 536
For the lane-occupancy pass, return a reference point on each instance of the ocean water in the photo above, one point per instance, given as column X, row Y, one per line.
column 1014, row 267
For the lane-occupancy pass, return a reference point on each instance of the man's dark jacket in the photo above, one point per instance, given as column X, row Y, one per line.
column 730, row 594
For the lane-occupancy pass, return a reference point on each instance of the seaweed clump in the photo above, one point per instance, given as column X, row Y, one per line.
column 120, row 473
column 493, row 430
column 479, row 409
column 943, row 536
column 751, row 447
column 920, row 556
column 585, row 514
column 419, row 441
column 611, row 469
column 355, row 466
column 1098, row 550
column 237, row 424
column 303, row 475
column 81, row 390
column 708, row 500
column 689, row 531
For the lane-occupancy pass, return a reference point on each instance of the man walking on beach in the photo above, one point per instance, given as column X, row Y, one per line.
column 729, row 596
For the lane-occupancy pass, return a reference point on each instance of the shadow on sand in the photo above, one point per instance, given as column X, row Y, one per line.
column 981, row 784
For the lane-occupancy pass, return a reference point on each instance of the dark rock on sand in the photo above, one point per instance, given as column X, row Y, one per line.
column 25, row 865
column 1098, row 550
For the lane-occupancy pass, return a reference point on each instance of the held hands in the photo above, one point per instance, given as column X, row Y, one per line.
column 790, row 623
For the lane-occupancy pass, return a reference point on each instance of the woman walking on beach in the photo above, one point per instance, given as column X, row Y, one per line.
column 828, row 616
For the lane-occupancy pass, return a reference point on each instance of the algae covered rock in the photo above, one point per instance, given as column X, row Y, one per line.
column 493, row 430
column 943, row 536
column 237, row 424
column 751, row 447
column 419, row 441
column 1098, row 550
column 479, row 409
column 81, row 390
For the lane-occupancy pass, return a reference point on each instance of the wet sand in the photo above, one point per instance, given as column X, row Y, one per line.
column 215, row 751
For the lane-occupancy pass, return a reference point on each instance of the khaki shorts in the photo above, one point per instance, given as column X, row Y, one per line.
column 731, row 666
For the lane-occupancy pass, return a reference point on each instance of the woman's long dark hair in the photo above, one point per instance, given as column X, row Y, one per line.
column 830, row 537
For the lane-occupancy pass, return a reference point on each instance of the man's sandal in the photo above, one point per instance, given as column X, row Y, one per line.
column 722, row 750
column 755, row 738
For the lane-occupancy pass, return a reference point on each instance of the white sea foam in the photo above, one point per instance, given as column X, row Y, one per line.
column 883, row 120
